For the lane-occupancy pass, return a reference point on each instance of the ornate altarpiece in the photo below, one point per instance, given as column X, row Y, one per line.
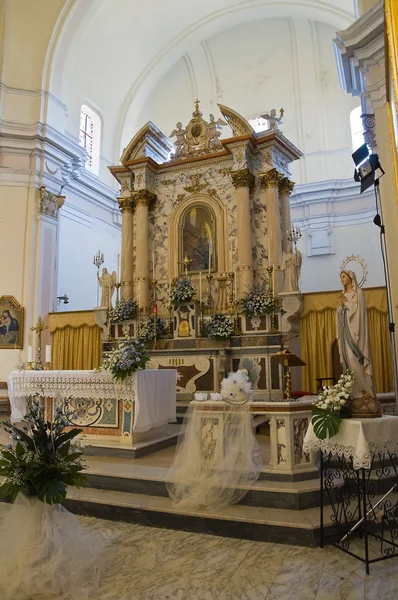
column 223, row 202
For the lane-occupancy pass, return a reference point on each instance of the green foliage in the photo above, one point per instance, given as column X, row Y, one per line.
column 42, row 458
column 325, row 423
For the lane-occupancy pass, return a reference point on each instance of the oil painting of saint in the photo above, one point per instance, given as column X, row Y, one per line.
column 198, row 230
column 11, row 323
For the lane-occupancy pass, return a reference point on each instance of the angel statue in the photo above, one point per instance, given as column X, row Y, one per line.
column 272, row 119
column 107, row 283
column 181, row 142
column 214, row 131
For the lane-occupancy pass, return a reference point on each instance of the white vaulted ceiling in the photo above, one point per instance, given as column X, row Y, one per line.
column 120, row 54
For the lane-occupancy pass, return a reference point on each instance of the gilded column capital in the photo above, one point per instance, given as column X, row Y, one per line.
column 126, row 205
column 49, row 203
column 144, row 198
column 242, row 178
column 286, row 186
column 270, row 178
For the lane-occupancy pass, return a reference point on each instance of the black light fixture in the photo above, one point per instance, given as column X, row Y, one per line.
column 368, row 169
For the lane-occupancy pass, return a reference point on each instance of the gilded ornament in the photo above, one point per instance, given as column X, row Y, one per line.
column 270, row 178
column 195, row 187
column 49, row 203
column 126, row 204
column 144, row 198
column 242, row 178
column 286, row 186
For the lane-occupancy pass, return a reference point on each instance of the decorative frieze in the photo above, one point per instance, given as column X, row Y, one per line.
column 49, row 203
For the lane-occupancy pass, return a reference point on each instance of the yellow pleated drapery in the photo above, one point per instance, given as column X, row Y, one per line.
column 318, row 332
column 76, row 341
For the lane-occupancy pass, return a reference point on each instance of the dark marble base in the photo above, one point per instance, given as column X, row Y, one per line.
column 260, row 532
column 294, row 500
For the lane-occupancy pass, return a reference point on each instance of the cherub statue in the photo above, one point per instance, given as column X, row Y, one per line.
column 107, row 283
column 213, row 131
column 181, row 143
column 272, row 119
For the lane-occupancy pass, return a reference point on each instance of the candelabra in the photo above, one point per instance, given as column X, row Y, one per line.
column 98, row 260
column 117, row 286
column 231, row 295
column 170, row 309
column 209, row 308
column 294, row 235
column 154, row 311
column 38, row 328
column 270, row 271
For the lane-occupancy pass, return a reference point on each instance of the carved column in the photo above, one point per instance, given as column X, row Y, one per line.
column 243, row 181
column 127, row 206
column 285, row 189
column 269, row 183
column 143, row 199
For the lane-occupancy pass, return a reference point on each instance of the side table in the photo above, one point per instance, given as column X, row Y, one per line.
column 359, row 479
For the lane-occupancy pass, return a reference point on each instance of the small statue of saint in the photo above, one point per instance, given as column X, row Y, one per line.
column 353, row 342
column 272, row 119
column 181, row 142
column 291, row 265
column 107, row 283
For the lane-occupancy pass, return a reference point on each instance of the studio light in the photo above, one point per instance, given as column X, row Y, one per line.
column 367, row 167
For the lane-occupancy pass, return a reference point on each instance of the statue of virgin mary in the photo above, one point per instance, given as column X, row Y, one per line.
column 353, row 342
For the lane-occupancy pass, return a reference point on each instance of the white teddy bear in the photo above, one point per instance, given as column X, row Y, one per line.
column 236, row 388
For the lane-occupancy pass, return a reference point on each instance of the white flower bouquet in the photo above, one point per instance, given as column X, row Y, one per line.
column 331, row 406
column 182, row 291
column 257, row 303
column 218, row 327
column 123, row 311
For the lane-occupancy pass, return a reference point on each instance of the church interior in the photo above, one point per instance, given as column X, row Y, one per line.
column 198, row 298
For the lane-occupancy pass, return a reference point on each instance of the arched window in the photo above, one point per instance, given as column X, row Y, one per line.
column 198, row 230
column 90, row 137
column 357, row 130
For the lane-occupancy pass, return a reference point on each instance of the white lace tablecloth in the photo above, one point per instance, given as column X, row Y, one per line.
column 359, row 439
column 153, row 391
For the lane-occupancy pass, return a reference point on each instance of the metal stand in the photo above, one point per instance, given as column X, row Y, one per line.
column 363, row 519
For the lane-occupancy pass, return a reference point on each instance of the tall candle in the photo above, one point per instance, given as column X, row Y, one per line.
column 139, row 295
column 200, row 286
column 230, row 259
column 273, row 282
column 153, row 265
column 210, row 248
column 48, row 353
column 236, row 285
column 30, row 354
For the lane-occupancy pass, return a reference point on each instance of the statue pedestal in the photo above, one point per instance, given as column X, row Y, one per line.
column 185, row 321
column 292, row 305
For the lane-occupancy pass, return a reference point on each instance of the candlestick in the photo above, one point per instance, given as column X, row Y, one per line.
column 236, row 286
column 38, row 328
column 153, row 266
column 48, row 353
column 209, row 277
column 210, row 249
column 200, row 286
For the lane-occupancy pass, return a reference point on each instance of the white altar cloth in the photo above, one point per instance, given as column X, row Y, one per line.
column 358, row 438
column 152, row 391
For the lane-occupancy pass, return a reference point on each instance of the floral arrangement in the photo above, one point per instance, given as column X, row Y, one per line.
column 331, row 407
column 182, row 291
column 41, row 461
column 146, row 329
column 218, row 326
column 257, row 303
column 123, row 310
column 129, row 356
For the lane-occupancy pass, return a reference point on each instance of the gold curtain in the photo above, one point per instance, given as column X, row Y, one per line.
column 318, row 332
column 76, row 341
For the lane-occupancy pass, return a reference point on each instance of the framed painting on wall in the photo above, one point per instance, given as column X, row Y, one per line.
column 11, row 323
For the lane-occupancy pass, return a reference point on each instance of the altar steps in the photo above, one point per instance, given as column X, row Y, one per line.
column 236, row 521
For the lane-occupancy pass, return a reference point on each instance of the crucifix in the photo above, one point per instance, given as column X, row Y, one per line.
column 186, row 261
column 38, row 328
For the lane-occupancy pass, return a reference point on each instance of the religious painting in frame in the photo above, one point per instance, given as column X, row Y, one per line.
column 198, row 239
column 11, row 323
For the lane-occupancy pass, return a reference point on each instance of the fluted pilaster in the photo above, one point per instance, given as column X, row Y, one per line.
column 243, row 181
column 269, row 183
column 143, row 200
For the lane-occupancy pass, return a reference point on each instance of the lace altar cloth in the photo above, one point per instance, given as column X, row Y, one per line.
column 358, row 439
column 152, row 390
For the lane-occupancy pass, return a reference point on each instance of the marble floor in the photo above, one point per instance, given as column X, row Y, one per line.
column 160, row 564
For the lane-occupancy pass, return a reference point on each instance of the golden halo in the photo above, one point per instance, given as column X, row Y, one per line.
column 356, row 258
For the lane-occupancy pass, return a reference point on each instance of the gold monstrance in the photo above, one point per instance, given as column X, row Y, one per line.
column 38, row 328
column 186, row 261
column 287, row 359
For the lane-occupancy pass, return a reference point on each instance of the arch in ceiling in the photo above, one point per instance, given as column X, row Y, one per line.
column 78, row 16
